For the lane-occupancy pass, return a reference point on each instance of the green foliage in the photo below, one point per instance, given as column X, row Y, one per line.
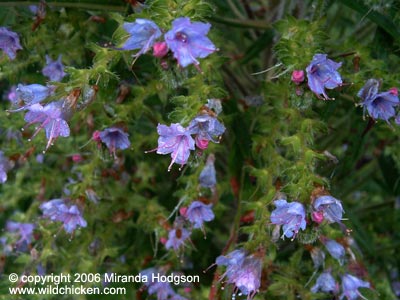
column 281, row 142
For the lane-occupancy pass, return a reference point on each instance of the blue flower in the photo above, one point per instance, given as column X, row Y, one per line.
column 248, row 277
column 325, row 283
column 331, row 208
column 143, row 34
column 350, row 286
column 51, row 118
column 58, row 210
column 207, row 177
column 25, row 231
column 9, row 42
column 177, row 238
column 242, row 271
column 4, row 167
column 162, row 289
column 175, row 140
column 198, row 212
column 322, row 74
column 188, row 41
column 114, row 138
column 335, row 249
column 379, row 105
column 71, row 217
column 206, row 127
column 32, row 94
column 54, row 69
column 290, row 215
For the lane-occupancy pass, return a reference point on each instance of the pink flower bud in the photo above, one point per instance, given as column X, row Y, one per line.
column 77, row 158
column 96, row 136
column 183, row 211
column 163, row 240
column 201, row 144
column 317, row 216
column 160, row 49
column 394, row 91
column 298, row 76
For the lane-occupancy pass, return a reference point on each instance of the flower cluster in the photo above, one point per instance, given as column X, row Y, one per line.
column 321, row 74
column 177, row 140
column 244, row 271
column 69, row 215
column 350, row 284
column 187, row 40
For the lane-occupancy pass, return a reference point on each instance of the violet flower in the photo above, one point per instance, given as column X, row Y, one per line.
column 9, row 42
column 51, row 118
column 188, row 41
column 143, row 33
column 207, row 177
column 114, row 138
column 290, row 215
column 198, row 213
column 175, row 140
column 70, row 216
column 350, row 286
column 54, row 69
column 32, row 94
column 177, row 238
column 24, row 230
column 379, row 106
column 335, row 249
column 206, row 127
column 4, row 167
column 243, row 271
column 325, row 283
column 330, row 207
column 322, row 74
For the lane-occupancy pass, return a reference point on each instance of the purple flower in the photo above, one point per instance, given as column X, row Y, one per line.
column 143, row 34
column 57, row 210
column 32, row 94
column 4, row 167
column 206, row 127
column 163, row 290
column 322, row 74
column 198, row 212
column 71, row 217
column 243, row 271
column 175, row 140
column 114, row 138
column 379, row 106
column 248, row 277
column 207, row 176
column 350, row 286
column 51, row 118
column 290, row 215
column 54, row 69
column 11, row 95
column 177, row 238
column 9, row 42
column 325, row 283
column 188, row 41
column 330, row 207
column 25, row 231
column 335, row 249
column 52, row 208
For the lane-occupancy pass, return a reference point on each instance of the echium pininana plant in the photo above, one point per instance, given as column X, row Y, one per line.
column 283, row 191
